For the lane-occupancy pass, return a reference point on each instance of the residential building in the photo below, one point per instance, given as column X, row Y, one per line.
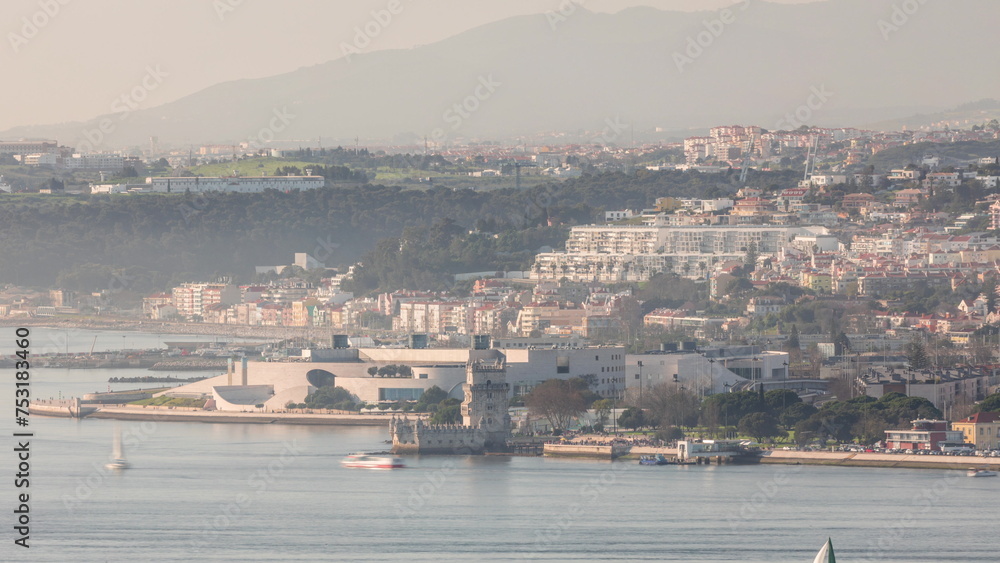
column 923, row 435
column 981, row 429
column 945, row 388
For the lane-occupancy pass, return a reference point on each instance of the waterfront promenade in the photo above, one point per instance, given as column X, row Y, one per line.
column 180, row 414
column 856, row 459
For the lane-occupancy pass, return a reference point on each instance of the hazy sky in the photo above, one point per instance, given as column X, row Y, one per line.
column 75, row 64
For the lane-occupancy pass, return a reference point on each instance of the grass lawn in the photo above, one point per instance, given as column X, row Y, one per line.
column 171, row 402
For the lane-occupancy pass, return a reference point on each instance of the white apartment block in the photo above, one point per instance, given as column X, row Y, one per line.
column 247, row 184
column 106, row 162
column 191, row 299
column 627, row 253
column 610, row 216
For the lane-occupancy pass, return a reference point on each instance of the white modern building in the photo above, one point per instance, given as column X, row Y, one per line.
column 710, row 371
column 275, row 384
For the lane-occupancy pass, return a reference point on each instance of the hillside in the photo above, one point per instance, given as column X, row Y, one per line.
column 148, row 242
column 636, row 68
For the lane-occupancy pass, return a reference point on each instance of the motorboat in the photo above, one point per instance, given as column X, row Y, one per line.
column 657, row 459
column 975, row 472
column 372, row 461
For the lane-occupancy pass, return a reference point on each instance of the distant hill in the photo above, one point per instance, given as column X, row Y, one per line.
column 600, row 75
column 961, row 117
column 951, row 154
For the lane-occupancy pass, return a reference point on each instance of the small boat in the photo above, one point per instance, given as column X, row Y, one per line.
column 372, row 461
column 825, row 554
column 118, row 461
column 657, row 459
column 974, row 472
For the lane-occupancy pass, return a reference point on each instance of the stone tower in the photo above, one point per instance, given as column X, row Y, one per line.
column 485, row 404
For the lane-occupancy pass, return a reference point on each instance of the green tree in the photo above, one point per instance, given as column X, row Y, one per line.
column 750, row 260
column 451, row 414
column 841, row 344
column 330, row 397
column 432, row 396
column 916, row 355
column 989, row 404
column 777, row 400
column 796, row 413
column 760, row 426
column 792, row 345
column 602, row 410
column 633, row 418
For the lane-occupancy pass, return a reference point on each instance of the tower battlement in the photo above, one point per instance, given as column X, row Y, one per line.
column 485, row 422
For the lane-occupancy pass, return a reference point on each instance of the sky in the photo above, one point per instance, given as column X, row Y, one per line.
column 71, row 60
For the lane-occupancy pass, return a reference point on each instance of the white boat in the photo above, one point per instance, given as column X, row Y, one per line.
column 973, row 472
column 372, row 461
column 118, row 460
column 825, row 554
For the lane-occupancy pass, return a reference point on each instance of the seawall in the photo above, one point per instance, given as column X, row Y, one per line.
column 853, row 459
column 582, row 450
column 198, row 415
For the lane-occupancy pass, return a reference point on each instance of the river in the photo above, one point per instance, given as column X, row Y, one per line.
column 266, row 493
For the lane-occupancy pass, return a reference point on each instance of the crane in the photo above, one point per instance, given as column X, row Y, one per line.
column 747, row 155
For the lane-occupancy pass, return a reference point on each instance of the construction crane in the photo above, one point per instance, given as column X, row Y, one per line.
column 811, row 154
column 517, row 164
column 747, row 155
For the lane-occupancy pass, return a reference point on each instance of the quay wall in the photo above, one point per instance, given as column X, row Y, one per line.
column 581, row 450
column 854, row 459
column 197, row 415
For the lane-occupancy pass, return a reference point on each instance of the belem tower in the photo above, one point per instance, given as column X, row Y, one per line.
column 485, row 423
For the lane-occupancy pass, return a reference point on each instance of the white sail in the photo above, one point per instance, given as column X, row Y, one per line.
column 116, row 450
column 117, row 455
column 825, row 554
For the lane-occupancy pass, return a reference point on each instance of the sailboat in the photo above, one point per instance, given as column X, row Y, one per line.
column 825, row 554
column 118, row 460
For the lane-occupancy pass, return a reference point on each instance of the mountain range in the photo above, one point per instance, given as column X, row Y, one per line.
column 601, row 77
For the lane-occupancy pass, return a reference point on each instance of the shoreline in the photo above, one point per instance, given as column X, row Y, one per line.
column 161, row 327
column 198, row 415
column 771, row 457
column 903, row 461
